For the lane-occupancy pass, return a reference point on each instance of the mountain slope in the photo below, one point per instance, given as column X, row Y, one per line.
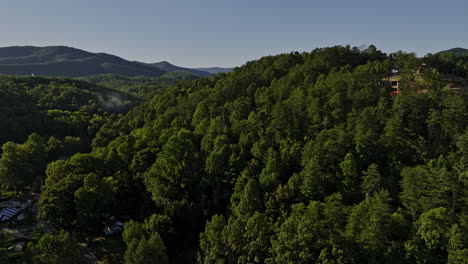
column 141, row 86
column 214, row 70
column 55, row 107
column 456, row 51
column 71, row 62
column 168, row 67
column 295, row 158
column 68, row 62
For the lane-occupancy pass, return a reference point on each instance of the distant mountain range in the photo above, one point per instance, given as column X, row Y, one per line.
column 167, row 67
column 456, row 51
column 215, row 70
column 72, row 62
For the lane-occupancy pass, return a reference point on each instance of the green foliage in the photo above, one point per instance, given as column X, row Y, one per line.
column 458, row 251
column 146, row 251
column 370, row 226
column 55, row 249
column 350, row 178
column 173, row 175
column 212, row 246
column 22, row 165
column 270, row 175
column 250, row 201
column 426, row 187
column 312, row 233
column 432, row 235
column 295, row 158
column 6, row 255
column 156, row 223
column 141, row 86
column 372, row 181
column 321, row 160
column 55, row 107
column 93, row 202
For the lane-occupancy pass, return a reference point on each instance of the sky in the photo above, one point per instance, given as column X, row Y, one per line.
column 208, row 33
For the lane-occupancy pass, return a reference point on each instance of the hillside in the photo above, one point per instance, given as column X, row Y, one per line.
column 456, row 51
column 215, row 70
column 56, row 107
column 140, row 86
column 294, row 158
column 71, row 62
column 168, row 67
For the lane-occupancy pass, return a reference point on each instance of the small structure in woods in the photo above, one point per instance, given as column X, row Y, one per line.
column 114, row 227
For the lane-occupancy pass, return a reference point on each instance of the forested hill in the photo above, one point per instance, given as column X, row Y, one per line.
column 140, row 86
column 57, row 107
column 164, row 65
column 295, row 158
column 456, row 51
column 215, row 70
column 168, row 67
column 71, row 62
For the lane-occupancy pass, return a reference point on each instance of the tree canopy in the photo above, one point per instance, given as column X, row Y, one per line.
column 294, row 158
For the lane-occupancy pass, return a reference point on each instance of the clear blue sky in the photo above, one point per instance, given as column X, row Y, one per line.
column 196, row 33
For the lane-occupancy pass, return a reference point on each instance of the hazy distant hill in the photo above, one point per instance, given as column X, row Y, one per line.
column 72, row 62
column 456, row 51
column 215, row 70
column 168, row 67
column 69, row 62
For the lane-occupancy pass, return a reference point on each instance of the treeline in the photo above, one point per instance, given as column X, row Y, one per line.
column 295, row 158
column 45, row 119
column 141, row 87
column 55, row 106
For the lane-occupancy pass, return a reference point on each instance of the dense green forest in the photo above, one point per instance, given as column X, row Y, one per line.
column 44, row 119
column 140, row 86
column 294, row 158
column 55, row 106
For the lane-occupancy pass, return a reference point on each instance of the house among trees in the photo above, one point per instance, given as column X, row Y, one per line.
column 116, row 228
column 395, row 81
column 7, row 213
column 449, row 82
column 12, row 207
